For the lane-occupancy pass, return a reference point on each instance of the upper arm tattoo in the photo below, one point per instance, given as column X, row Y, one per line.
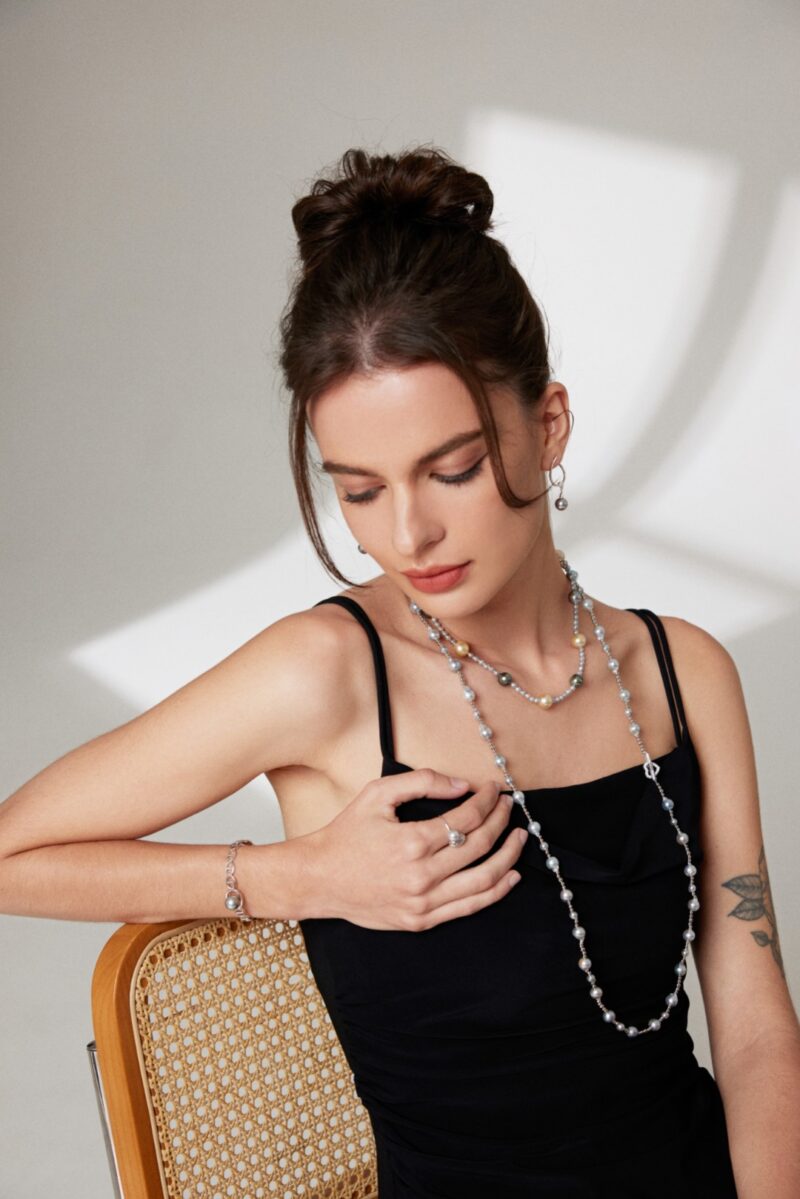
column 755, row 903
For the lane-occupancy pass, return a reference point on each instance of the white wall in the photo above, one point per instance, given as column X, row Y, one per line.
column 645, row 162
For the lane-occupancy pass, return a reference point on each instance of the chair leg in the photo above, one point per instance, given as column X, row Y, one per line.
column 91, row 1049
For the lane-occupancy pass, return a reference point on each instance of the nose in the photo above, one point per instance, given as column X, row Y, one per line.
column 414, row 529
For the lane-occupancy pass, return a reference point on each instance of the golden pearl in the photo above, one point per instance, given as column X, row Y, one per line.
column 461, row 648
column 545, row 701
column 578, row 639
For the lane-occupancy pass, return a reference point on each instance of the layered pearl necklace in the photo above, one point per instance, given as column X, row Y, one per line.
column 461, row 650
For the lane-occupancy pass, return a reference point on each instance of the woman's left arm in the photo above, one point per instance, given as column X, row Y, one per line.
column 753, row 1027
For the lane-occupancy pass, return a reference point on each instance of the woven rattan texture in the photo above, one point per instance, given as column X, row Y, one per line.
column 250, row 1089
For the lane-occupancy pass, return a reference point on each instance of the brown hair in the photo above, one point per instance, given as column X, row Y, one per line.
column 396, row 269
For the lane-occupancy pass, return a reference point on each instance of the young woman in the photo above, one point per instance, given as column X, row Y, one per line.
column 511, row 809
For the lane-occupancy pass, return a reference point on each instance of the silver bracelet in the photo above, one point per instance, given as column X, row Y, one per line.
column 234, row 900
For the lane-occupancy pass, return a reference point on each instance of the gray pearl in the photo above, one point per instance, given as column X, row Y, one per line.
column 504, row 679
column 576, row 680
column 561, row 503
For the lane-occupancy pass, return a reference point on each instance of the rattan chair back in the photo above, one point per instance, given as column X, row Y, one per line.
column 222, row 1075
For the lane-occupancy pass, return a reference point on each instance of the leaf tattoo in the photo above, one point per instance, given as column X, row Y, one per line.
column 755, row 903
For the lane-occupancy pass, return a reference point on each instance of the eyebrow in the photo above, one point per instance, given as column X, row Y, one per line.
column 452, row 443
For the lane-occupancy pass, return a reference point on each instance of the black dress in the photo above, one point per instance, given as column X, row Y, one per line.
column 483, row 1062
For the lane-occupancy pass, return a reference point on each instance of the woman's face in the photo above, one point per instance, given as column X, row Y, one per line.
column 414, row 504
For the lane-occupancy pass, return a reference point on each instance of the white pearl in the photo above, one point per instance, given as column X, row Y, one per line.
column 680, row 968
column 566, row 895
column 613, row 664
column 588, row 604
column 414, row 606
column 634, row 728
column 455, row 664
column 624, row 695
column 485, row 731
column 585, row 963
column 534, row 827
column 609, row 1017
column 552, row 863
column 632, row 1030
column 519, row 796
column 672, row 999
column 682, row 838
column 596, row 992
column 599, row 632
column 693, row 905
column 578, row 932
column 667, row 804
column 469, row 694
column 499, row 760
column 690, row 870
column 654, row 1024
column 688, row 934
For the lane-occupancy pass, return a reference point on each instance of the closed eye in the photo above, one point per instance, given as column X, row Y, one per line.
column 364, row 497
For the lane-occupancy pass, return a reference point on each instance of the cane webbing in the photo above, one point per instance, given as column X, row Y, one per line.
column 248, row 1086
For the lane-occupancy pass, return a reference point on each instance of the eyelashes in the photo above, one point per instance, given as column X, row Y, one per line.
column 365, row 497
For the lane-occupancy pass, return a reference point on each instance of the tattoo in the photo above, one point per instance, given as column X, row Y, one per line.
column 756, row 901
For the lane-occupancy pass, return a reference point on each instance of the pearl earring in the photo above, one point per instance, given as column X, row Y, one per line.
column 560, row 502
column 361, row 548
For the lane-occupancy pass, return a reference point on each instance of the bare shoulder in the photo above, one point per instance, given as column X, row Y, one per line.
column 702, row 662
column 275, row 701
column 307, row 656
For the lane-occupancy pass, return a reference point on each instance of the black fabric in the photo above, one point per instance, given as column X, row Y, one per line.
column 483, row 1062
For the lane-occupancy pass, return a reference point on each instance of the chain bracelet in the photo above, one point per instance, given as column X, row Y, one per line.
column 234, row 900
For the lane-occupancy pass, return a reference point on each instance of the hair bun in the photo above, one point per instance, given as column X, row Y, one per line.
column 424, row 185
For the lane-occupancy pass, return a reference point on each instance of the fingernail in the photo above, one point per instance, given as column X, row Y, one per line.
column 509, row 798
column 458, row 782
column 514, row 878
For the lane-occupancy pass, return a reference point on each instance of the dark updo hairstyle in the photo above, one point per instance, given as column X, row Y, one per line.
column 397, row 269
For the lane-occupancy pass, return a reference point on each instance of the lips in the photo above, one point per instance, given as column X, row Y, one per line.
column 433, row 572
column 442, row 581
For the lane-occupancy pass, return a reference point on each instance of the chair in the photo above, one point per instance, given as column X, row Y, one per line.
column 217, row 1069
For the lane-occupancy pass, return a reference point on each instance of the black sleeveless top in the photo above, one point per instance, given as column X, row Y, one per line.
column 483, row 1062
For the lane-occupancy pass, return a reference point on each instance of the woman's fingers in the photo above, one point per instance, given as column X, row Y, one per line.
column 466, row 891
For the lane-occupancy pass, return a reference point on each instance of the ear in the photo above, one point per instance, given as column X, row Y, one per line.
column 556, row 418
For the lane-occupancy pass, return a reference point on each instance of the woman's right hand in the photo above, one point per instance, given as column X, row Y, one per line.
column 379, row 872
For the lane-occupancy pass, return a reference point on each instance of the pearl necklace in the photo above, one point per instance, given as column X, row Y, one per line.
column 437, row 633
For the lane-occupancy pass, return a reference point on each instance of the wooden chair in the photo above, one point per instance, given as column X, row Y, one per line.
column 217, row 1069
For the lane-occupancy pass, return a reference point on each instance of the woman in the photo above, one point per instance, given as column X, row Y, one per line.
column 510, row 1040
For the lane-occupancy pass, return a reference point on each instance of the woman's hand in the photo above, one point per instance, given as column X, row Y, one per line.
column 379, row 872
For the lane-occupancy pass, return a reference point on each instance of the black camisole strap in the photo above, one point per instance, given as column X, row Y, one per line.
column 384, row 711
column 667, row 668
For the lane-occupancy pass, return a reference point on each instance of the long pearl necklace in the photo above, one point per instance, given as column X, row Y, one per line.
column 438, row 634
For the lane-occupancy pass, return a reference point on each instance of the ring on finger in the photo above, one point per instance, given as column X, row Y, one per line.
column 454, row 837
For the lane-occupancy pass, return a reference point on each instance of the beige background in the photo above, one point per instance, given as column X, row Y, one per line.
column 645, row 163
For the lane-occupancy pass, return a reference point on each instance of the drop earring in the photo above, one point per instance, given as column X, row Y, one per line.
column 361, row 549
column 560, row 503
